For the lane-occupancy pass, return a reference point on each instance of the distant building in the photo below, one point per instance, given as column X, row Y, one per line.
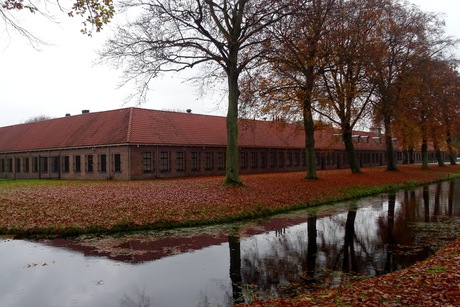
column 135, row 143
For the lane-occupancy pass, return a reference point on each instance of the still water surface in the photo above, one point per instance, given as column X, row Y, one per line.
column 221, row 265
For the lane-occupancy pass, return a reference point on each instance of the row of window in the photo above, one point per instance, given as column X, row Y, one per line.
column 364, row 157
column 194, row 161
column 180, row 159
column 212, row 160
column 271, row 159
column 57, row 164
column 255, row 159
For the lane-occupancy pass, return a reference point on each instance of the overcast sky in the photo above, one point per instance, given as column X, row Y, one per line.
column 60, row 78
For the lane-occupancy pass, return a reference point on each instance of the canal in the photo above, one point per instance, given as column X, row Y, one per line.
column 227, row 264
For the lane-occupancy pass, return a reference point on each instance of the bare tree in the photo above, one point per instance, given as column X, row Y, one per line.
column 173, row 35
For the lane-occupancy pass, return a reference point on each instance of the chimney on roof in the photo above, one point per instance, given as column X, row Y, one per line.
column 67, row 114
column 84, row 111
column 189, row 110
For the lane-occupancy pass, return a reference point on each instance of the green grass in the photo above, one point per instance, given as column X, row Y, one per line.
column 437, row 269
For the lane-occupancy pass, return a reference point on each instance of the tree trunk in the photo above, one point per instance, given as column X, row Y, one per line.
column 451, row 151
column 440, row 157
column 405, row 157
column 309, row 127
column 411, row 155
column 350, row 149
column 437, row 150
column 232, row 176
column 391, row 161
column 424, row 141
column 424, row 154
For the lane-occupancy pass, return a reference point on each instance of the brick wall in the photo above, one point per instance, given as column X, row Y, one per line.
column 90, row 163
column 150, row 162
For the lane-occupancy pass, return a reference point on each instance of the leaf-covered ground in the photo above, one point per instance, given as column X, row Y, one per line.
column 434, row 282
column 58, row 205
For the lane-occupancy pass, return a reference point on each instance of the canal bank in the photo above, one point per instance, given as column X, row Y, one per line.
column 66, row 208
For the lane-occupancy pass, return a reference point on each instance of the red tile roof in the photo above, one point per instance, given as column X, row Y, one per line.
column 143, row 126
column 98, row 128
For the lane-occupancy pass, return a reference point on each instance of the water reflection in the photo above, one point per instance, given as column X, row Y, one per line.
column 235, row 268
column 223, row 265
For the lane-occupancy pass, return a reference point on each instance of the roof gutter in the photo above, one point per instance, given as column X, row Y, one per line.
column 132, row 144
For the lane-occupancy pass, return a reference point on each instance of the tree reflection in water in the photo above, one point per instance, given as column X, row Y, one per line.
column 235, row 268
column 370, row 237
column 140, row 299
column 349, row 258
column 312, row 249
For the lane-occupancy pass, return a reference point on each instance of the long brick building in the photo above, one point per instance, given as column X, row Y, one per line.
column 135, row 143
